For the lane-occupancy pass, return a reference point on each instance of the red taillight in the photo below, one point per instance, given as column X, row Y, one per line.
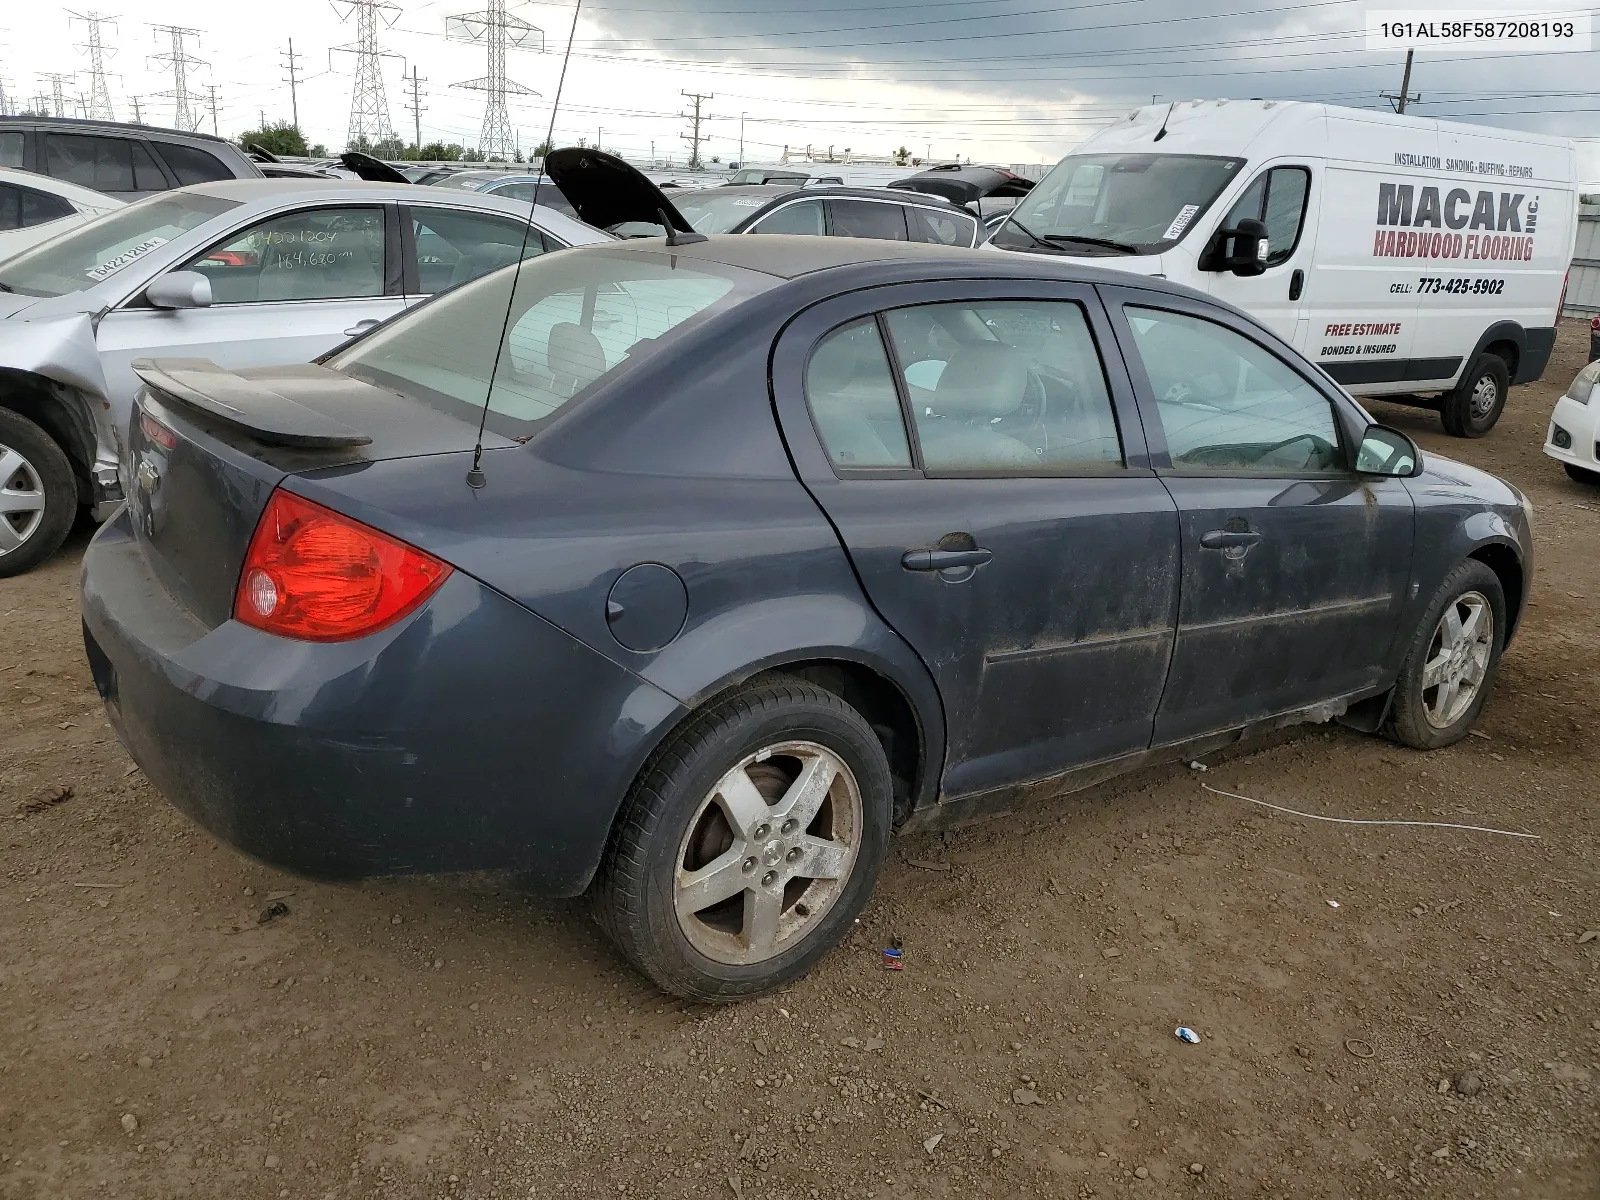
column 1594, row 324
column 319, row 576
column 157, row 432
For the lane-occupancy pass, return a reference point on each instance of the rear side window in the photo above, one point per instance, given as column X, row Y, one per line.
column 11, row 148
column 193, row 165
column 1276, row 198
column 454, row 247
column 21, row 207
column 941, row 228
column 851, row 392
column 107, row 164
column 867, row 219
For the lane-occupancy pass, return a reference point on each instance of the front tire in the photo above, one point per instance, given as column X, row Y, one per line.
column 38, row 495
column 1472, row 409
column 749, row 843
column 1450, row 667
column 1582, row 474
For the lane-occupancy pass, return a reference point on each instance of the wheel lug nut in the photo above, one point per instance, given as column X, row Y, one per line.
column 749, row 864
column 762, row 830
column 794, row 854
column 789, row 826
column 770, row 878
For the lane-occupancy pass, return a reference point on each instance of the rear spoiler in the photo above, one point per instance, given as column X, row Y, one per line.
column 266, row 415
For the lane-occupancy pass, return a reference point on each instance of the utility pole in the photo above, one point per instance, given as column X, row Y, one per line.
column 369, row 106
column 497, row 31
column 741, row 139
column 99, row 104
column 292, row 66
column 5, row 106
column 180, row 60
column 598, row 130
column 138, row 117
column 211, row 103
column 1405, row 95
column 58, row 98
column 415, row 105
column 696, row 118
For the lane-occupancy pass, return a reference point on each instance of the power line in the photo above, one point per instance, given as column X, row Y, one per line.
column 694, row 137
column 99, row 103
column 180, row 60
column 292, row 66
column 497, row 31
column 369, row 106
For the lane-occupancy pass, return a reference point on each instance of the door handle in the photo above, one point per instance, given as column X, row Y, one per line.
column 360, row 327
column 1222, row 539
column 1297, row 283
column 943, row 560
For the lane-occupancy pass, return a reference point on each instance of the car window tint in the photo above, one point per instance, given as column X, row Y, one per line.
column 805, row 217
column 318, row 254
column 11, row 148
column 941, row 228
column 850, row 389
column 867, row 219
column 1012, row 385
column 38, row 208
column 102, row 163
column 1226, row 404
column 193, row 165
column 10, row 207
column 550, row 196
column 453, row 246
column 1277, row 198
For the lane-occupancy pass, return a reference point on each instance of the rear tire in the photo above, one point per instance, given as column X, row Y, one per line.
column 1582, row 474
column 1473, row 407
column 38, row 495
column 1451, row 649
column 705, row 885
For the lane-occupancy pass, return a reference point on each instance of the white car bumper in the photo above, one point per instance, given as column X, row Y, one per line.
column 1580, row 423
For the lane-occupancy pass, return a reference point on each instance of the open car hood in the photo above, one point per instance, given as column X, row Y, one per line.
column 605, row 191
column 368, row 168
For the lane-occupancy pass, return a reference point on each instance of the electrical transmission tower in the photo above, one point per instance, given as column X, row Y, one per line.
column 499, row 31
column 694, row 137
column 58, row 98
column 369, row 106
column 294, row 95
column 99, row 105
column 186, row 114
column 416, row 105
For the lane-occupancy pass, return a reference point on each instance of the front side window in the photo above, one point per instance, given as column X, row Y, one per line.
column 850, row 390
column 1226, row 404
column 1117, row 203
column 805, row 217
column 867, row 219
column 1005, row 385
column 574, row 318
column 454, row 247
column 317, row 254
column 941, row 228
column 106, row 164
column 108, row 245
column 193, row 165
column 1276, row 198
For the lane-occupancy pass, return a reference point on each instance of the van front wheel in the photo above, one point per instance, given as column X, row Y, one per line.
column 1474, row 406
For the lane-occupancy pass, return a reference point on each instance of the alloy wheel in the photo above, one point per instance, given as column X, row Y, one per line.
column 768, row 852
column 21, row 499
column 1458, row 659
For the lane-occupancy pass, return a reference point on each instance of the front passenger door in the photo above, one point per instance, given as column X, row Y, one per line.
column 1295, row 567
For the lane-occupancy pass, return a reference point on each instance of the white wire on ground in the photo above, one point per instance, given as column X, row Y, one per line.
column 1352, row 821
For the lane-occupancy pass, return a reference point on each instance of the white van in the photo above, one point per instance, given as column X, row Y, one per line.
column 1418, row 260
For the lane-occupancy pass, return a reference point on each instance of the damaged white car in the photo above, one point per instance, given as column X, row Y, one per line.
column 243, row 272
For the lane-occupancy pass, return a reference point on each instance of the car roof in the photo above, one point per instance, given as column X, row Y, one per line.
column 124, row 127
column 789, row 256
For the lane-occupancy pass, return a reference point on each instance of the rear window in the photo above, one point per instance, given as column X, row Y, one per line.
column 80, row 258
column 576, row 318
column 193, row 165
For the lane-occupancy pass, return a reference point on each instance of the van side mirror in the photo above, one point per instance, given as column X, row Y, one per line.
column 1388, row 452
column 1241, row 249
column 180, row 289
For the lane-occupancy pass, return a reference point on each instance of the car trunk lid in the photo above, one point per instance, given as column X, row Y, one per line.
column 208, row 446
column 606, row 192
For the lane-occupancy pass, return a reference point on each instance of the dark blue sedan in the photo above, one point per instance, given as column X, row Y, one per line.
column 683, row 574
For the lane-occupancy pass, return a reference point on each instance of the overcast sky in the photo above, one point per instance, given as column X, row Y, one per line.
column 998, row 80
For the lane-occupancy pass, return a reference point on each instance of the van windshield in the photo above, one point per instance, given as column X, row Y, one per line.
column 1094, row 204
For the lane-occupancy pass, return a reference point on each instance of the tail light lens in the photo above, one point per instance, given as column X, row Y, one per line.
column 319, row 576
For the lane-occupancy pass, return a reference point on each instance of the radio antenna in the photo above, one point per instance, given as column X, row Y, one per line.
column 1162, row 132
column 475, row 476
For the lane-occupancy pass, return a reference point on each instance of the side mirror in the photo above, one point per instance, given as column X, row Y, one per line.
column 1388, row 452
column 180, row 289
column 1241, row 249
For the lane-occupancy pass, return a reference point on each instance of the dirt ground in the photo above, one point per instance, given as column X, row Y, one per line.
column 1383, row 1011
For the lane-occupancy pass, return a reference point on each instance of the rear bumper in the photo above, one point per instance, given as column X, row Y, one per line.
column 473, row 736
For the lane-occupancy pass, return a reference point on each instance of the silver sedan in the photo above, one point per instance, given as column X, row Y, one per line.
column 247, row 273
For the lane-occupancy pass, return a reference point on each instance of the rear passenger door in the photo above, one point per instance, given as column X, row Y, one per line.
column 284, row 290
column 981, row 457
